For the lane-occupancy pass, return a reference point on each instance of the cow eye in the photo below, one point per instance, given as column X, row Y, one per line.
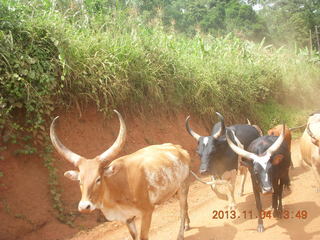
column 98, row 180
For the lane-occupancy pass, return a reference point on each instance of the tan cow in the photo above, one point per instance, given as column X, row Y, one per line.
column 131, row 185
column 310, row 145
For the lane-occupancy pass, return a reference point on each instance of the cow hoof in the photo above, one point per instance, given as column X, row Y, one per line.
column 186, row 227
column 288, row 188
column 277, row 213
column 232, row 207
column 280, row 212
column 260, row 228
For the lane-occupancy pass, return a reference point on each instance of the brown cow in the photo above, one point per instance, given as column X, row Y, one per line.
column 131, row 185
column 310, row 145
column 275, row 131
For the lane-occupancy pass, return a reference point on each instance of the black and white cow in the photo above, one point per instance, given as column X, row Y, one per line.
column 268, row 159
column 218, row 159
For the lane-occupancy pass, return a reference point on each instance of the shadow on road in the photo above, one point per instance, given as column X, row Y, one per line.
column 295, row 227
column 226, row 232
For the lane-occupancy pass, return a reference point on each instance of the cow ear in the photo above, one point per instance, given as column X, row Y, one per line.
column 277, row 159
column 72, row 175
column 111, row 170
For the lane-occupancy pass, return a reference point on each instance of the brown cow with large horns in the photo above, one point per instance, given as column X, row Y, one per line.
column 131, row 185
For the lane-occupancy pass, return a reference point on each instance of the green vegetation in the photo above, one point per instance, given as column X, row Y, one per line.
column 272, row 114
column 55, row 192
column 290, row 22
column 216, row 17
column 55, row 59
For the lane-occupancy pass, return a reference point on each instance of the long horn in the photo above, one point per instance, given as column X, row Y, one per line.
column 296, row 128
column 61, row 149
column 190, row 131
column 310, row 133
column 213, row 182
column 117, row 145
column 200, row 180
column 239, row 145
column 256, row 127
column 222, row 128
column 238, row 150
column 275, row 146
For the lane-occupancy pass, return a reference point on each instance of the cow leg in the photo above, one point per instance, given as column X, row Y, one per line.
column 184, row 217
column 132, row 228
column 228, row 188
column 256, row 190
column 145, row 224
column 232, row 202
column 316, row 170
column 275, row 196
column 280, row 198
column 243, row 173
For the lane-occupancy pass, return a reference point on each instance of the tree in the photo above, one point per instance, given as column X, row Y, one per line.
column 289, row 21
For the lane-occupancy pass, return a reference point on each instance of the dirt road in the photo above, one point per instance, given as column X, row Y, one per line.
column 304, row 199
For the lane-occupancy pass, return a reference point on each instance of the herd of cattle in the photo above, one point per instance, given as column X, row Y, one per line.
column 132, row 185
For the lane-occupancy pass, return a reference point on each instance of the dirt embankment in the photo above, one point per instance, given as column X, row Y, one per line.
column 26, row 210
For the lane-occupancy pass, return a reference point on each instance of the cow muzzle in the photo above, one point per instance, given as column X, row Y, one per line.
column 86, row 206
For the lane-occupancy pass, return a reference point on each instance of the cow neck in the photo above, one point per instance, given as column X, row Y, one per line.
column 111, row 193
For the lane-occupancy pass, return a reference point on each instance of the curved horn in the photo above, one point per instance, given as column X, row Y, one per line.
column 190, row 131
column 296, row 128
column 222, row 128
column 212, row 183
column 258, row 129
column 117, row 145
column 200, row 180
column 61, row 149
column 275, row 146
column 238, row 150
column 310, row 133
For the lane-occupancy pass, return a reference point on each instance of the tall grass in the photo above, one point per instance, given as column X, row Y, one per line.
column 301, row 76
column 54, row 59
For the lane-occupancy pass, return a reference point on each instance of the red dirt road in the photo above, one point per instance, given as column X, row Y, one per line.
column 202, row 201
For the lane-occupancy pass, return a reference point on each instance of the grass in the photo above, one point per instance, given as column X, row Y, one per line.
column 271, row 114
column 117, row 60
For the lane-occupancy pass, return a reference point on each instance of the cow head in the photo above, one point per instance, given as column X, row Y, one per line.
column 261, row 163
column 207, row 145
column 91, row 171
column 314, row 139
